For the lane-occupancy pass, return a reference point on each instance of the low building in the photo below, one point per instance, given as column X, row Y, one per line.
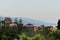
column 31, row 27
column 53, row 29
column 36, row 28
column 13, row 25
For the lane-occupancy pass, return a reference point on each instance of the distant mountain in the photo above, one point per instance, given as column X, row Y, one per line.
column 32, row 21
column 37, row 22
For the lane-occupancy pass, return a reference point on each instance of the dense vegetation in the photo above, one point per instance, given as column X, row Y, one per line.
column 18, row 33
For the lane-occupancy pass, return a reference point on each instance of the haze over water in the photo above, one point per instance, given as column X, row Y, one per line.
column 48, row 10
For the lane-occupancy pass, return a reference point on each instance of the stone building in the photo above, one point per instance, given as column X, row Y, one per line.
column 29, row 27
column 7, row 21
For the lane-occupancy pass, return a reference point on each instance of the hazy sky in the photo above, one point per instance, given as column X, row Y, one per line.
column 48, row 10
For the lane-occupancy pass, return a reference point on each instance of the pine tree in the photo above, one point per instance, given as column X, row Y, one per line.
column 20, row 26
column 20, row 21
column 16, row 20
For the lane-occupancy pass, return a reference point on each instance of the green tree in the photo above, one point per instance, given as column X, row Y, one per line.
column 8, row 33
column 58, row 26
column 23, row 37
column 55, row 34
